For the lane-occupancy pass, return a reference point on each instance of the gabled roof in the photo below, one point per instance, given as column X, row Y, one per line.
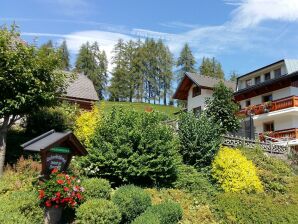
column 202, row 81
column 81, row 88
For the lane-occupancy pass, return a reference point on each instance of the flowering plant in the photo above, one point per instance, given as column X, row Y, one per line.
column 60, row 190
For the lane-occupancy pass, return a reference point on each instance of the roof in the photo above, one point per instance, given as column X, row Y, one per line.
column 201, row 81
column 82, row 88
column 51, row 139
column 291, row 65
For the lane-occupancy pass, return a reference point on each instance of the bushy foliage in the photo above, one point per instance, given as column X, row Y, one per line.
column 147, row 218
column 131, row 201
column 20, row 176
column 234, row 172
column 196, row 183
column 193, row 210
column 96, row 188
column 222, row 109
column 256, row 208
column 273, row 172
column 86, row 124
column 20, row 207
column 168, row 212
column 99, row 211
column 133, row 147
column 59, row 117
column 199, row 139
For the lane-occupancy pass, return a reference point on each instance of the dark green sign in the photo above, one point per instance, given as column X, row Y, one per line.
column 60, row 150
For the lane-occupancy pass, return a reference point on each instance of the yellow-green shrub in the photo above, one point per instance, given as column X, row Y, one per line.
column 234, row 172
column 86, row 124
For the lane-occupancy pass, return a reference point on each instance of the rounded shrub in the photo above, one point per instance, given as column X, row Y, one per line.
column 133, row 147
column 234, row 172
column 96, row 188
column 131, row 201
column 168, row 212
column 99, row 211
column 147, row 218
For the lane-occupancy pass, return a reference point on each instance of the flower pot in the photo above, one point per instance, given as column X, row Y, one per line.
column 53, row 215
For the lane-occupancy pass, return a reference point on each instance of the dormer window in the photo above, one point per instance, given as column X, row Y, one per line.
column 196, row 91
column 267, row 76
column 277, row 73
column 248, row 83
column 257, row 80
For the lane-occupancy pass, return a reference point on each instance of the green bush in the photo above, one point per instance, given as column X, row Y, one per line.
column 260, row 208
column 273, row 172
column 96, row 188
column 168, row 212
column 147, row 218
column 60, row 118
column 195, row 182
column 234, row 172
column 99, row 211
column 133, row 147
column 199, row 139
column 20, row 207
column 131, row 201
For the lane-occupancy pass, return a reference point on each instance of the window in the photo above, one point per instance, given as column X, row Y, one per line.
column 197, row 110
column 257, row 80
column 277, row 73
column 267, row 76
column 247, row 103
column 268, row 126
column 267, row 98
column 196, row 91
column 248, row 83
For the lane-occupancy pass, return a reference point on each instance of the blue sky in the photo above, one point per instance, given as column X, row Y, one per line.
column 242, row 34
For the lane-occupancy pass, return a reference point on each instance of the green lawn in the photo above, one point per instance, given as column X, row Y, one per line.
column 169, row 110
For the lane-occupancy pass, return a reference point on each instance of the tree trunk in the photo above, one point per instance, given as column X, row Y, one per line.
column 3, row 135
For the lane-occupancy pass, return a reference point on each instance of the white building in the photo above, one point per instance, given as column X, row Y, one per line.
column 195, row 89
column 270, row 95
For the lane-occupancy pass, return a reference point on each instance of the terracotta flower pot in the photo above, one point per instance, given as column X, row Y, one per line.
column 53, row 215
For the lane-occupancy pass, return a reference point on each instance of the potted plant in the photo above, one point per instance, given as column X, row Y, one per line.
column 267, row 106
column 58, row 192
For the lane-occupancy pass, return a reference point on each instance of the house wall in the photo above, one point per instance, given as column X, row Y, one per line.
column 280, row 123
column 198, row 101
column 242, row 81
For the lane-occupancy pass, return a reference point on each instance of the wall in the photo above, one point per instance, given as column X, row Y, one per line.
column 280, row 123
column 193, row 102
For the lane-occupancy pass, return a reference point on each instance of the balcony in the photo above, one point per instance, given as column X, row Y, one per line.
column 286, row 134
column 275, row 105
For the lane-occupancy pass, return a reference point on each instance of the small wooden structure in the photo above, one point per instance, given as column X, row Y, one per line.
column 56, row 150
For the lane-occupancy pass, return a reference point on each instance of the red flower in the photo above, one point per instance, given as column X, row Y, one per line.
column 48, row 203
column 56, row 206
column 79, row 196
column 41, row 194
column 66, row 189
column 58, row 194
column 55, row 170
column 60, row 181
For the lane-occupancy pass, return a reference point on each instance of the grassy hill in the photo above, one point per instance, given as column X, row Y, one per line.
column 169, row 110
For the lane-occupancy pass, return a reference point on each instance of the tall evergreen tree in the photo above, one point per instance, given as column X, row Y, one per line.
column 211, row 67
column 233, row 76
column 186, row 61
column 63, row 50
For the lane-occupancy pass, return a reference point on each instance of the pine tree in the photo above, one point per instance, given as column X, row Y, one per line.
column 65, row 65
column 211, row 67
column 186, row 61
column 85, row 62
column 233, row 76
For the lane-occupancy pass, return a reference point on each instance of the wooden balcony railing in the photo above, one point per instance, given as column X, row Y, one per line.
column 275, row 105
column 289, row 134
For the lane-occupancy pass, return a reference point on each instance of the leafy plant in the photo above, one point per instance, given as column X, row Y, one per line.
column 60, row 190
column 96, row 188
column 234, row 172
column 133, row 147
column 168, row 212
column 99, row 211
column 131, row 201
column 147, row 218
column 199, row 139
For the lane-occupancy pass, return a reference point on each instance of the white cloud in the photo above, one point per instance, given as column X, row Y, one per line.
column 252, row 12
